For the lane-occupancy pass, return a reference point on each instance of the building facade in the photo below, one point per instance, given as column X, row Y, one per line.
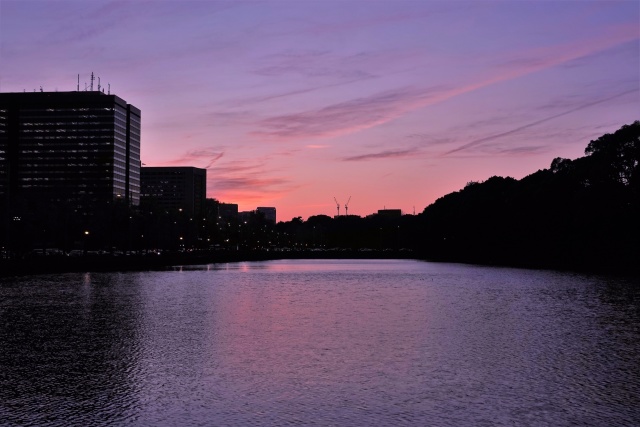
column 81, row 149
column 268, row 212
column 390, row 213
column 228, row 212
column 175, row 189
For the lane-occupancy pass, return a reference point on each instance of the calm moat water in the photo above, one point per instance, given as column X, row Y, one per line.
column 323, row 343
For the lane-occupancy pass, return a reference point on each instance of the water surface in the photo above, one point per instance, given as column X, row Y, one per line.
column 320, row 342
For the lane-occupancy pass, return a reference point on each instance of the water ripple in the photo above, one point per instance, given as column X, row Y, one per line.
column 320, row 342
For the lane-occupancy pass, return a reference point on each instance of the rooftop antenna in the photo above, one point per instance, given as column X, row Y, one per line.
column 414, row 209
column 98, row 84
column 109, row 92
column 346, row 207
column 92, row 79
column 41, row 89
column 78, row 82
column 337, row 206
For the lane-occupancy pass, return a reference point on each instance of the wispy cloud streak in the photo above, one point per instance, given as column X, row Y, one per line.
column 208, row 155
column 411, row 152
column 535, row 123
column 366, row 112
column 266, row 98
column 347, row 117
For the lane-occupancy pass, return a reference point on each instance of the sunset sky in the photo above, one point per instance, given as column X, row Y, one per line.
column 292, row 103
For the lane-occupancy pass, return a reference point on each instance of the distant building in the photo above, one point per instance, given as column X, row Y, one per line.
column 77, row 149
column 175, row 189
column 245, row 216
column 228, row 212
column 390, row 213
column 269, row 213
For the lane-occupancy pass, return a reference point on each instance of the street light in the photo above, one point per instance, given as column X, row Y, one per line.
column 86, row 236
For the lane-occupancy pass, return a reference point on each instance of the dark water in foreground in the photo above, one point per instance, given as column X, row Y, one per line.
column 320, row 342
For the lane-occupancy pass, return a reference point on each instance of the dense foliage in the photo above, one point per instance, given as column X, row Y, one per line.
column 581, row 213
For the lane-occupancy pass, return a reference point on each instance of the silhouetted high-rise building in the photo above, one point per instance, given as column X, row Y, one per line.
column 175, row 188
column 77, row 149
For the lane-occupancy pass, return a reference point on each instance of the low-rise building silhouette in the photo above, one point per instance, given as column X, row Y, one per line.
column 269, row 213
column 228, row 212
column 390, row 213
column 175, row 189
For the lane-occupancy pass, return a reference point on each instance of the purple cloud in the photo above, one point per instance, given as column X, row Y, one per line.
column 410, row 152
column 537, row 122
column 348, row 116
column 208, row 155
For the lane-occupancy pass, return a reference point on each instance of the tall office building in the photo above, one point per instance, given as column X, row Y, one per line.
column 175, row 188
column 81, row 149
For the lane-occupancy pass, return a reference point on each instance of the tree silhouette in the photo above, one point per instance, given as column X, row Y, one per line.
column 580, row 213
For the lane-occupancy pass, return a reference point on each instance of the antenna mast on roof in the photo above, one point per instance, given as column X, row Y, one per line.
column 92, row 79
column 78, row 82
column 109, row 85
column 98, row 84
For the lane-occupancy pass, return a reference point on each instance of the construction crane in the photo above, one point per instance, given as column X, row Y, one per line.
column 346, row 207
column 337, row 206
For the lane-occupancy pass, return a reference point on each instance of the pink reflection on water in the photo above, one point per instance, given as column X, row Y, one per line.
column 307, row 332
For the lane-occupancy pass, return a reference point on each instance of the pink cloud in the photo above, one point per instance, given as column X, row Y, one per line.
column 196, row 156
column 366, row 112
column 411, row 152
column 247, row 181
column 346, row 117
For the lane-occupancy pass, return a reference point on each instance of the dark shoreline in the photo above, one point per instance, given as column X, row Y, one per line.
column 169, row 261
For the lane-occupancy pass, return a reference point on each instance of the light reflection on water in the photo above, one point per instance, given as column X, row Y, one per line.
column 320, row 342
